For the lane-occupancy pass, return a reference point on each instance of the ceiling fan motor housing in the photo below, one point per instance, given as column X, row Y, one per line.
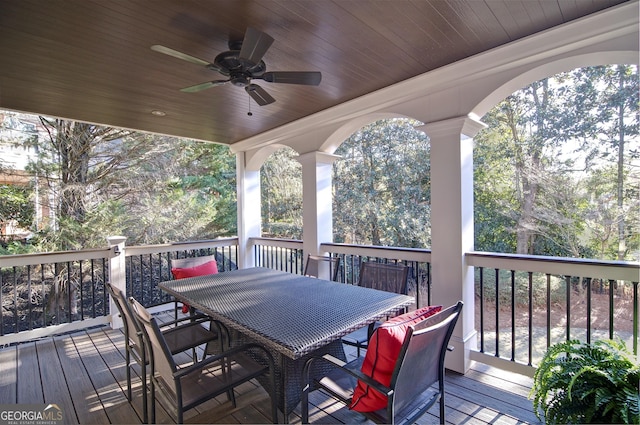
column 230, row 63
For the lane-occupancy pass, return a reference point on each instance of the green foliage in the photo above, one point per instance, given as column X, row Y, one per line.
column 587, row 383
column 382, row 186
column 186, row 192
column 105, row 181
column 16, row 247
column 281, row 190
column 554, row 172
column 557, row 287
column 16, row 203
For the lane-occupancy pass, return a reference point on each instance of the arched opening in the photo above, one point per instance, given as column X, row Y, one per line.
column 281, row 194
column 383, row 177
column 556, row 173
column 555, row 168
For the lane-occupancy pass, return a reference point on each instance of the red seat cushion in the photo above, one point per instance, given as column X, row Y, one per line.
column 380, row 360
column 203, row 269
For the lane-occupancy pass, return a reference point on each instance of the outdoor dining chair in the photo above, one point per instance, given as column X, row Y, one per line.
column 402, row 374
column 315, row 263
column 183, row 388
column 191, row 267
column 181, row 335
column 388, row 277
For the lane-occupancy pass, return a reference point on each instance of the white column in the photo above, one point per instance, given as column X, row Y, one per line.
column 117, row 275
column 317, row 200
column 452, row 226
column 249, row 211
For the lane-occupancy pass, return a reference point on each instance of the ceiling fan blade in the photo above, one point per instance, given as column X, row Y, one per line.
column 203, row 86
column 255, row 45
column 259, row 94
column 176, row 54
column 311, row 78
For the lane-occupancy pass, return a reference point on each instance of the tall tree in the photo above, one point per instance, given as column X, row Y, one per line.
column 152, row 189
column 81, row 160
column 281, row 190
column 613, row 129
column 382, row 186
column 186, row 191
column 552, row 135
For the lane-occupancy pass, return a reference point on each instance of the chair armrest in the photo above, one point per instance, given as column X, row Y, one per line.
column 213, row 358
column 356, row 373
column 201, row 318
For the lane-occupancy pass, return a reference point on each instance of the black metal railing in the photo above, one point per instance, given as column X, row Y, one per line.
column 523, row 304
column 48, row 290
column 62, row 291
column 279, row 254
column 522, row 309
column 419, row 276
column 287, row 255
column 147, row 266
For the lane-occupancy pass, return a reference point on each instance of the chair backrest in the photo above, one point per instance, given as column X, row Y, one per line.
column 421, row 360
column 384, row 276
column 161, row 360
column 132, row 331
column 192, row 261
column 315, row 263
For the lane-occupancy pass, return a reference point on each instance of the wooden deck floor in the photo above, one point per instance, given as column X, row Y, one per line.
column 84, row 374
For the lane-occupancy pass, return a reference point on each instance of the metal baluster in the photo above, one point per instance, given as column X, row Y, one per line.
column 497, row 313
column 30, row 304
column 513, row 315
column 548, row 310
column 530, row 317
column 568, row 285
column 635, row 318
column 81, row 284
column 482, row 309
column 611, row 284
column 588, row 310
column 69, row 265
column 15, row 299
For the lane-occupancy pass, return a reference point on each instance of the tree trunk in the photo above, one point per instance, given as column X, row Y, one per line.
column 622, row 248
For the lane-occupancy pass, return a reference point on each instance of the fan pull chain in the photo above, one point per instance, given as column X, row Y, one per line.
column 249, row 113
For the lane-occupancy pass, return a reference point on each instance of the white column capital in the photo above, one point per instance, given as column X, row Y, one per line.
column 468, row 126
column 317, row 157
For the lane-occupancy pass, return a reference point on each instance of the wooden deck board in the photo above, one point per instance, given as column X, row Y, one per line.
column 28, row 374
column 109, row 393
column 8, row 375
column 111, row 348
column 54, row 381
column 86, row 401
column 85, row 374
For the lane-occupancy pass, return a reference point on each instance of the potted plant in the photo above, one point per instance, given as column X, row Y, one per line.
column 587, row 383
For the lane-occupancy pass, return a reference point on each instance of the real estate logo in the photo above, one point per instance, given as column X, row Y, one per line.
column 30, row 414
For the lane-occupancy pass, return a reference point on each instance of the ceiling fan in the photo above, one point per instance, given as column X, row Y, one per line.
column 243, row 63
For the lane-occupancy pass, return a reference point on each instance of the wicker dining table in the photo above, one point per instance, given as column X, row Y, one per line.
column 294, row 317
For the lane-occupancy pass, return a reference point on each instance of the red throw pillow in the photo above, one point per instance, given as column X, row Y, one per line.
column 380, row 360
column 203, row 269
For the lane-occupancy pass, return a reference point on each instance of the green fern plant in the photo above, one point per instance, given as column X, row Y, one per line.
column 587, row 383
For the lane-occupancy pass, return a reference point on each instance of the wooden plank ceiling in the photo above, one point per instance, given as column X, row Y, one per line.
column 90, row 60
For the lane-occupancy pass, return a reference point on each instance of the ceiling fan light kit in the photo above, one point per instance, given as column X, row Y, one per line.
column 243, row 63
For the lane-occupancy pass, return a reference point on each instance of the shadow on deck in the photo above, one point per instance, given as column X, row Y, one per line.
column 84, row 374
